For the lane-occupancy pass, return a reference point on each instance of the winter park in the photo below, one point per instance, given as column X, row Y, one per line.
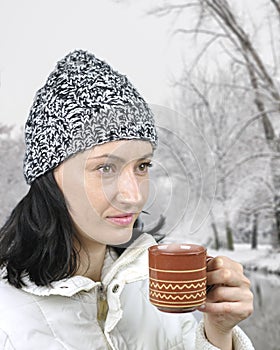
column 215, row 178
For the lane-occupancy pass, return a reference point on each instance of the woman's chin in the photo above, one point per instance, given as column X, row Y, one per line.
column 122, row 240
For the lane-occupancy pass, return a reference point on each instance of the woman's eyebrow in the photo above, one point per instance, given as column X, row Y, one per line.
column 149, row 155
column 109, row 155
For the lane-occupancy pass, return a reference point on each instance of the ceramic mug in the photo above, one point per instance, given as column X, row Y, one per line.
column 177, row 276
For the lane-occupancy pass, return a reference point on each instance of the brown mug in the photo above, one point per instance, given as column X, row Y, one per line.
column 177, row 276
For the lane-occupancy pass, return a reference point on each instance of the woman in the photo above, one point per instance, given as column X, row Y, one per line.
column 90, row 139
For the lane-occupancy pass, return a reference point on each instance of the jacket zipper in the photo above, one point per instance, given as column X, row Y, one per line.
column 102, row 305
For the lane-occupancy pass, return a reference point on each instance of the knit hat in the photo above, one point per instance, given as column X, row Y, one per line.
column 83, row 103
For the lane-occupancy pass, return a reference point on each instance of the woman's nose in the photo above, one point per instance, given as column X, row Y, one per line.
column 129, row 189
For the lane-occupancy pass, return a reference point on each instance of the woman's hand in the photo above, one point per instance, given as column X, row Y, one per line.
column 228, row 302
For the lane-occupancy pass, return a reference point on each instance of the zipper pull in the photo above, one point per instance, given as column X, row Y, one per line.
column 102, row 305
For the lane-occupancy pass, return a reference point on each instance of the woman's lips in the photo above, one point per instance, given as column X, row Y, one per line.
column 122, row 219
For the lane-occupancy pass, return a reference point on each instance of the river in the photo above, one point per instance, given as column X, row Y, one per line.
column 263, row 327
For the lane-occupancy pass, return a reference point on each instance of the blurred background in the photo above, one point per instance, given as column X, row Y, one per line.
column 210, row 71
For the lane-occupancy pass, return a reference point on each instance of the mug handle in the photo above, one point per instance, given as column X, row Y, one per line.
column 209, row 287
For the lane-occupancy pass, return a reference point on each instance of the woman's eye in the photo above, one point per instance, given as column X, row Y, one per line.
column 143, row 167
column 106, row 168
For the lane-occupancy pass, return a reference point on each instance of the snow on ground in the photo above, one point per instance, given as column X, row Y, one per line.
column 262, row 259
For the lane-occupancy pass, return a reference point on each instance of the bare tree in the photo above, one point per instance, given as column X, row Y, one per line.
column 217, row 20
column 228, row 125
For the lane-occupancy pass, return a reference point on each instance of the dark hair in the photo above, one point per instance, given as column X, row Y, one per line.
column 37, row 239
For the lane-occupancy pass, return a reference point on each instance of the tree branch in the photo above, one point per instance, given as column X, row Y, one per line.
column 162, row 11
column 199, row 31
column 276, row 5
column 246, row 159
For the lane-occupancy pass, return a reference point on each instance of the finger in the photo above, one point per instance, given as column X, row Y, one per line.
column 215, row 263
column 231, row 294
column 223, row 262
column 228, row 277
column 238, row 310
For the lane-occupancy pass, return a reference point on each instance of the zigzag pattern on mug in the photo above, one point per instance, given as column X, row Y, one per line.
column 177, row 286
column 185, row 296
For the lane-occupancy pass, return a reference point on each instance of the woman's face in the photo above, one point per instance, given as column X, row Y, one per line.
column 106, row 188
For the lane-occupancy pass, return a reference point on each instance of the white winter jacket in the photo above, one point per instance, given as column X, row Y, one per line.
column 65, row 315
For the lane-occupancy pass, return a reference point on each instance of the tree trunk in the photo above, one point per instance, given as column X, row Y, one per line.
column 230, row 244
column 216, row 236
column 254, row 244
column 276, row 233
column 275, row 174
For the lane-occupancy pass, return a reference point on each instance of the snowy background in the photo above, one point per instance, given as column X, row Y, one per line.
column 210, row 71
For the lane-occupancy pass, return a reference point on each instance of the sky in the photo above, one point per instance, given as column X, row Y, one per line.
column 35, row 34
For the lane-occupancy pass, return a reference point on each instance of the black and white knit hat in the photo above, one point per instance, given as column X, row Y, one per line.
column 83, row 103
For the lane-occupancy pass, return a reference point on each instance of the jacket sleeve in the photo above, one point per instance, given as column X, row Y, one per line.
column 240, row 340
column 5, row 343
